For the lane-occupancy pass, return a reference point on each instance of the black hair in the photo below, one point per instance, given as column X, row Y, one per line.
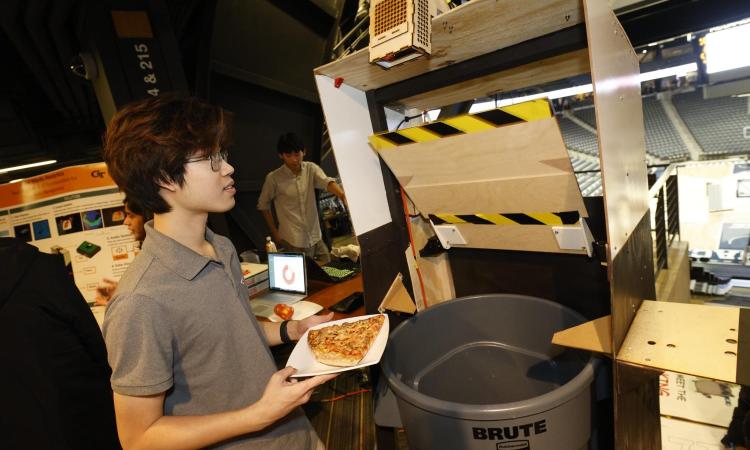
column 289, row 143
column 135, row 208
column 148, row 142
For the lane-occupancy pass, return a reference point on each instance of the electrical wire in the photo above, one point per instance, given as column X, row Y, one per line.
column 342, row 396
column 413, row 249
column 406, row 119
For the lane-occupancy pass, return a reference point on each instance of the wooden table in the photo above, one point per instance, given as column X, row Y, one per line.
column 328, row 294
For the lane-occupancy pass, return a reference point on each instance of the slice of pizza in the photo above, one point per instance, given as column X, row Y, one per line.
column 345, row 344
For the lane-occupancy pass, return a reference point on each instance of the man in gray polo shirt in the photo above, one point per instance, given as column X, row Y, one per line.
column 191, row 367
column 291, row 189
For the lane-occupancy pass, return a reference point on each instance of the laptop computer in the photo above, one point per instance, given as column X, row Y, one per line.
column 330, row 273
column 287, row 278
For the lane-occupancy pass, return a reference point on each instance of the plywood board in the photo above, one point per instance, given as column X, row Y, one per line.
column 471, row 30
column 436, row 270
column 673, row 282
column 693, row 339
column 530, row 238
column 619, row 116
column 519, row 168
column 536, row 73
column 637, row 417
column 397, row 298
column 419, row 299
column 438, row 278
column 631, row 279
column 594, row 336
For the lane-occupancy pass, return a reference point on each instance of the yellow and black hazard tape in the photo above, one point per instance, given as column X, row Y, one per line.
column 465, row 123
column 558, row 218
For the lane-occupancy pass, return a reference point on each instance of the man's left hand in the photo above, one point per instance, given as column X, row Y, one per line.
column 298, row 327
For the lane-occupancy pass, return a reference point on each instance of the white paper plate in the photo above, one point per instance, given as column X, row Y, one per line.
column 302, row 309
column 303, row 359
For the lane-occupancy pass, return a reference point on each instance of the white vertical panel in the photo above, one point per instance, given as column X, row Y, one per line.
column 349, row 125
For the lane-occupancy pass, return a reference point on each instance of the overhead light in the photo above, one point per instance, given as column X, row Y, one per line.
column 679, row 71
column 644, row 51
column 676, row 71
column 28, row 166
column 16, row 180
column 689, row 37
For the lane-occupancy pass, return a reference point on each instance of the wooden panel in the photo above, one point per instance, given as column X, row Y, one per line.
column 470, row 30
column 542, row 194
column 685, row 338
column 381, row 260
column 673, row 283
column 631, row 280
column 619, row 118
column 436, row 270
column 539, row 72
column 594, row 336
column 530, row 238
column 512, row 169
column 552, row 276
column 637, row 419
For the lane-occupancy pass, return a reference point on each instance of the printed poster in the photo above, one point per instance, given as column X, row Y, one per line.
column 76, row 212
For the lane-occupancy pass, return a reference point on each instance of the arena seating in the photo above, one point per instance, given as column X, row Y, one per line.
column 717, row 124
column 577, row 138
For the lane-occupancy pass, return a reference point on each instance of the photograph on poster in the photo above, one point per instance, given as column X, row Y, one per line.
column 113, row 216
column 41, row 229
column 68, row 224
column 92, row 220
column 23, row 232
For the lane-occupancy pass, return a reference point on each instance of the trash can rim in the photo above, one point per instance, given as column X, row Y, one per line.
column 498, row 411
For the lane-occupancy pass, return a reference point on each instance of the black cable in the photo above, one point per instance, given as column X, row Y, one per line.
column 406, row 119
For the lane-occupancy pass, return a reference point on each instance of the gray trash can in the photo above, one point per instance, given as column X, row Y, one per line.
column 481, row 373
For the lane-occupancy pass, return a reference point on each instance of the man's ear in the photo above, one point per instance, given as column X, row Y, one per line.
column 168, row 184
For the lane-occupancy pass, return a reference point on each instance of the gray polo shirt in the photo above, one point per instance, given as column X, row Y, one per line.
column 180, row 323
column 293, row 197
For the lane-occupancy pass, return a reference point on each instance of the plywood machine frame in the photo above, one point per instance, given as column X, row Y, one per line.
column 490, row 46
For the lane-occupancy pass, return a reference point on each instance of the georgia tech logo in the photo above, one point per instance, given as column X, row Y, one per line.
column 98, row 173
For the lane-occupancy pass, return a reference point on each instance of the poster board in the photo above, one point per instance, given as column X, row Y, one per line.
column 75, row 211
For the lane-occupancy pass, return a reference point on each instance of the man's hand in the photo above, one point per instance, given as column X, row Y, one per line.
column 104, row 291
column 283, row 394
column 298, row 327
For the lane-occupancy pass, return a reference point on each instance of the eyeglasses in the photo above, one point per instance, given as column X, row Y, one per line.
column 216, row 159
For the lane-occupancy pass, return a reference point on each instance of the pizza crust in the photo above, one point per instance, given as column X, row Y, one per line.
column 345, row 344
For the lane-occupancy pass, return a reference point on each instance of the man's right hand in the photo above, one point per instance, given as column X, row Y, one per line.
column 284, row 394
column 104, row 291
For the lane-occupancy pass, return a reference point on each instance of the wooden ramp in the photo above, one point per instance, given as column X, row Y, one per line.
column 706, row 341
column 502, row 177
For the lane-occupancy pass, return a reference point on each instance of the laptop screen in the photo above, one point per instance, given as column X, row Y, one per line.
column 286, row 272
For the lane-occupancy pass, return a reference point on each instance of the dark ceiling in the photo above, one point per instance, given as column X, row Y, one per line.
column 47, row 112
